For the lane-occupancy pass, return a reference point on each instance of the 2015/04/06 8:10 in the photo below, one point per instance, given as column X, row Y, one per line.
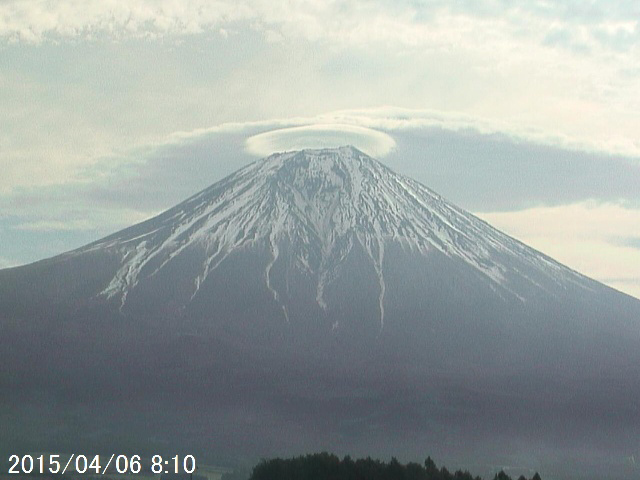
column 57, row 463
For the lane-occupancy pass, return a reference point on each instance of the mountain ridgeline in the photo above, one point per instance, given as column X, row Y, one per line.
column 316, row 299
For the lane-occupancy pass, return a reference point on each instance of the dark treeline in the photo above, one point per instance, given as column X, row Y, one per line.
column 325, row 466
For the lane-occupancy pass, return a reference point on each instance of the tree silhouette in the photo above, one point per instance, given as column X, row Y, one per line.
column 325, row 466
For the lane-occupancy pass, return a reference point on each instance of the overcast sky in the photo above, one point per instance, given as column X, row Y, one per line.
column 527, row 113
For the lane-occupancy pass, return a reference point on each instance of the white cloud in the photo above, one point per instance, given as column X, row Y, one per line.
column 54, row 225
column 66, row 215
column 7, row 263
column 370, row 141
column 396, row 118
column 33, row 20
column 435, row 23
column 362, row 123
column 586, row 236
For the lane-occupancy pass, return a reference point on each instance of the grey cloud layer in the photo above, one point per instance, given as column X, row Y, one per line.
column 496, row 172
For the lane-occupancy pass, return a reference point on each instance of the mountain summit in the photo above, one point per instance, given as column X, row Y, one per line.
column 315, row 299
column 305, row 214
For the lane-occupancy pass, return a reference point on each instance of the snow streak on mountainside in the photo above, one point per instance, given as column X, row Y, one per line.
column 321, row 204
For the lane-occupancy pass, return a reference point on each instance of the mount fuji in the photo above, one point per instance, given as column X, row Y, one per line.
column 316, row 299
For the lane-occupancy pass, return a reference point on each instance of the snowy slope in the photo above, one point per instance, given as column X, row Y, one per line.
column 322, row 203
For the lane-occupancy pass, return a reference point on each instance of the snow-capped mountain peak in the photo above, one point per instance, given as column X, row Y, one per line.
column 322, row 204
